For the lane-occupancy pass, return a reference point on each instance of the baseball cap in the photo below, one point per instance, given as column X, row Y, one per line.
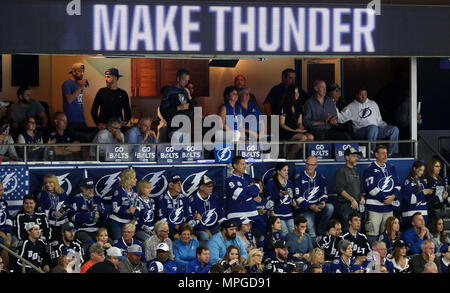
column 205, row 180
column 281, row 244
column 136, row 250
column 245, row 221
column 68, row 226
column 67, row 250
column 116, row 252
column 113, row 71
column 96, row 247
column 444, row 248
column 334, row 86
column 156, row 267
column 243, row 90
column 4, row 104
column 77, row 66
column 162, row 246
column 30, row 225
column 351, row 151
column 227, row 224
column 399, row 243
column 87, row 183
column 175, row 179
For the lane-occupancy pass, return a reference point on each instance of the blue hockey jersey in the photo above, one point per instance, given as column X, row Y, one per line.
column 211, row 211
column 413, row 201
column 437, row 200
column 380, row 182
column 338, row 266
column 281, row 202
column 146, row 216
column 50, row 203
column 309, row 191
column 240, row 193
column 121, row 202
column 120, row 243
column 84, row 212
column 5, row 220
column 175, row 210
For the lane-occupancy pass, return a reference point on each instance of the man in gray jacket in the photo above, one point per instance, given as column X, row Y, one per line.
column 133, row 262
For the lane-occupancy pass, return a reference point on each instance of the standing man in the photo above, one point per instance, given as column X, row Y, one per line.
column 242, row 192
column 367, row 122
column 320, row 116
column 73, row 91
column 111, row 100
column 382, row 188
column 311, row 196
column 347, row 184
column 272, row 103
column 177, row 100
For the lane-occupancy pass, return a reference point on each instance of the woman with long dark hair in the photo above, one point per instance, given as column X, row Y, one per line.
column 231, row 114
column 437, row 232
column 291, row 123
column 391, row 232
column 414, row 195
column 439, row 198
column 280, row 191
column 399, row 258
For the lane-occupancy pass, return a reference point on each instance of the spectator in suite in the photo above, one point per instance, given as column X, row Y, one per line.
column 399, row 259
column 142, row 133
column 415, row 235
column 111, row 100
column 73, row 91
column 367, row 122
column 250, row 111
column 31, row 136
column 240, row 81
column 414, row 194
column 291, row 121
column 334, row 92
column 419, row 261
column 231, row 114
column 439, row 199
column 347, row 185
column 177, row 100
column 320, row 116
column 60, row 134
column 7, row 150
column 185, row 247
column 111, row 134
column 201, row 265
column 26, row 106
column 272, row 103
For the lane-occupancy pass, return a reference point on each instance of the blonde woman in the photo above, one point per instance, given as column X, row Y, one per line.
column 254, row 261
column 123, row 204
column 52, row 201
column 146, row 205
column 317, row 258
column 102, row 238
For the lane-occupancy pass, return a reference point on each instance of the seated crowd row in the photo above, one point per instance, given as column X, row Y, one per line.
column 289, row 225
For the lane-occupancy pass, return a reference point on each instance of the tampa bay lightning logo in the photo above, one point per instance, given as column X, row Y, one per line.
column 177, row 216
column 65, row 183
column 209, row 218
column 310, row 192
column 268, row 174
column 106, row 183
column 286, row 199
column 386, row 184
column 10, row 183
column 148, row 216
column 365, row 113
column 224, row 154
column 191, row 183
column 158, row 181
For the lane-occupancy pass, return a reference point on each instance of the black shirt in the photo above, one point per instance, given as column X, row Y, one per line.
column 67, row 136
column 111, row 103
column 105, row 267
column 276, row 94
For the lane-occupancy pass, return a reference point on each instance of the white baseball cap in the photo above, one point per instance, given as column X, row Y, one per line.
column 116, row 252
column 162, row 246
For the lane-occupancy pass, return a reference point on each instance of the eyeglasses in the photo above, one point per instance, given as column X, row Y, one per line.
column 164, row 231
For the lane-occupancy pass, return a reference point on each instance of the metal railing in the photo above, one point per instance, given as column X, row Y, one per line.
column 435, row 152
column 23, row 260
column 96, row 154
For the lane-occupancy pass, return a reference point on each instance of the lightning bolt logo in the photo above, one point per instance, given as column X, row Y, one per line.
column 208, row 216
column 313, row 192
column 112, row 178
column 194, row 183
column 10, row 178
column 175, row 216
column 63, row 179
column 154, row 180
column 388, row 184
column 225, row 154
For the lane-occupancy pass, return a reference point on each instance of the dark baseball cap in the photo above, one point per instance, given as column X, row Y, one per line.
column 87, row 183
column 175, row 179
column 113, row 71
column 351, row 151
column 444, row 248
column 399, row 243
column 68, row 226
column 227, row 224
column 334, row 86
column 281, row 244
column 205, row 180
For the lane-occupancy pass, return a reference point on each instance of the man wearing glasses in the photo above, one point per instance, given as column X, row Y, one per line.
column 161, row 236
column 111, row 134
column 311, row 197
